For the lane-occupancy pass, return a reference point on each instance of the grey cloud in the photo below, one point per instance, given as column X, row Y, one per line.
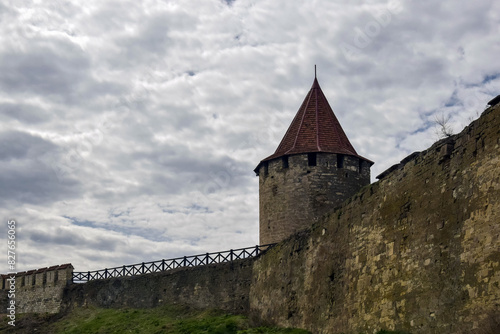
column 21, row 145
column 113, row 16
column 54, row 69
column 446, row 21
column 127, row 228
column 25, row 113
column 178, row 118
column 50, row 71
column 23, row 176
column 4, row 10
column 150, row 41
column 177, row 169
column 66, row 237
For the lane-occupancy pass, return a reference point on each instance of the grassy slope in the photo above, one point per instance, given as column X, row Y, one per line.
column 166, row 319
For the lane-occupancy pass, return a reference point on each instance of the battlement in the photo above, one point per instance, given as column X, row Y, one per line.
column 42, row 277
column 40, row 290
column 329, row 162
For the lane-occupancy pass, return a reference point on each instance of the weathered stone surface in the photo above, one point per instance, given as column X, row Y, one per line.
column 38, row 291
column 418, row 250
column 223, row 286
column 293, row 194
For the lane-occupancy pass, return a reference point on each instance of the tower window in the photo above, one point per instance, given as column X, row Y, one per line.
column 311, row 159
column 360, row 165
column 266, row 168
column 340, row 161
column 285, row 161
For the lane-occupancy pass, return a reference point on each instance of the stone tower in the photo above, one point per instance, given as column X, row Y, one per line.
column 314, row 169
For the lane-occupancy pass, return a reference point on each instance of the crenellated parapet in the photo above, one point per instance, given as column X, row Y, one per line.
column 39, row 290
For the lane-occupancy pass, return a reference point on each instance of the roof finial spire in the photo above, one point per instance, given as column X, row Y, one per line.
column 314, row 71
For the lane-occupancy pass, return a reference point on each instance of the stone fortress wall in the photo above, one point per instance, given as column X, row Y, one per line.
column 418, row 250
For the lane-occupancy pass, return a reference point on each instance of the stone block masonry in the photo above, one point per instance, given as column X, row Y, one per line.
column 417, row 251
column 293, row 194
column 41, row 290
column 223, row 286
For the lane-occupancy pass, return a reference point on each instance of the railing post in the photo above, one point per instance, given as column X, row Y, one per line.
column 207, row 258
column 184, row 261
column 257, row 250
column 88, row 276
column 123, row 271
column 105, row 272
column 142, row 268
column 163, row 265
column 231, row 255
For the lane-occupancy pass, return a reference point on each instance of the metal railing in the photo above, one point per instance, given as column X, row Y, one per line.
column 163, row 265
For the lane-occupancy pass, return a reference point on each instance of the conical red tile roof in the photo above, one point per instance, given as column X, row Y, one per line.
column 315, row 129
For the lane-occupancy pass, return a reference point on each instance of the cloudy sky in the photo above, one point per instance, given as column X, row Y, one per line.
column 129, row 130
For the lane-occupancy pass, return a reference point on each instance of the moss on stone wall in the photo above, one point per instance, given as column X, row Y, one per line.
column 417, row 251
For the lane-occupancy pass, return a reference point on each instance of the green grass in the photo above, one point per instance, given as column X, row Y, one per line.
column 166, row 319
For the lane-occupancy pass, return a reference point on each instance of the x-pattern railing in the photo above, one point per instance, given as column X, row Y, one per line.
column 163, row 265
